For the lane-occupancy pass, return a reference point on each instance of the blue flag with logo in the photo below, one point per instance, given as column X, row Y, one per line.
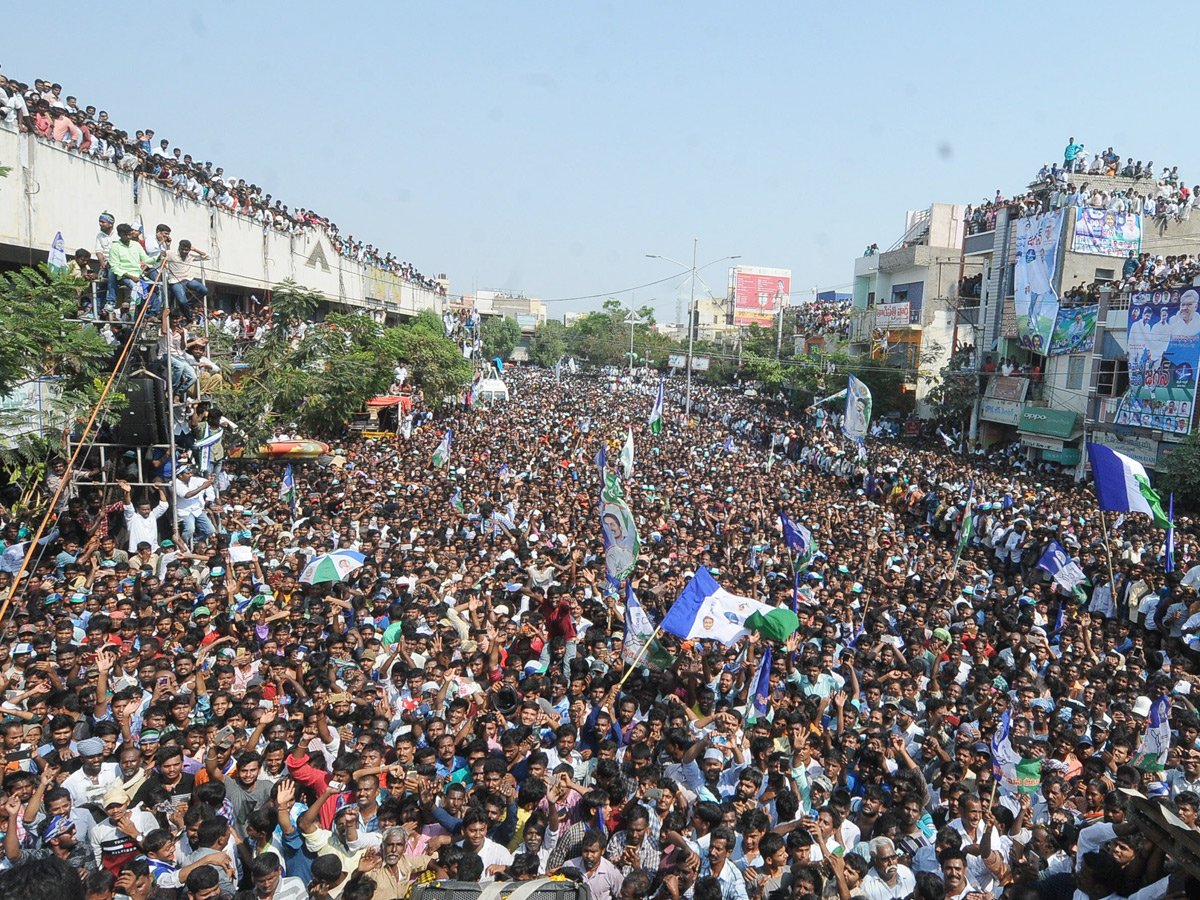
column 760, row 688
column 1058, row 564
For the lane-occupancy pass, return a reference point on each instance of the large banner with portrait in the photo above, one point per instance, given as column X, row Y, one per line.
column 1074, row 330
column 1105, row 233
column 1164, row 349
column 1034, row 298
column 759, row 294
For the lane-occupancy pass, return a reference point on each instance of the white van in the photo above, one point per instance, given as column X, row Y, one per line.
column 491, row 390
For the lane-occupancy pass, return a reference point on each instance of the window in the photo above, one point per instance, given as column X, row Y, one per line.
column 1105, row 274
column 870, row 298
column 1113, row 378
column 1075, row 372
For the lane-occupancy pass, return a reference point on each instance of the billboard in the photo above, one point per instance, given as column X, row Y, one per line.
column 1074, row 330
column 758, row 294
column 892, row 315
column 1104, row 233
column 1034, row 297
column 1164, row 349
column 679, row 361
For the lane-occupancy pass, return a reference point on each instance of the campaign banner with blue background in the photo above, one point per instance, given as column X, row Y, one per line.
column 1164, row 350
column 1035, row 300
column 1074, row 330
column 1105, row 233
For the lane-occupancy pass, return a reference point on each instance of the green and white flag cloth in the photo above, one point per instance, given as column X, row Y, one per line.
column 967, row 526
column 621, row 543
column 656, row 414
column 627, row 456
column 441, row 455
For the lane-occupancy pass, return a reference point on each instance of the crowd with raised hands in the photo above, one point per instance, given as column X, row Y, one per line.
column 405, row 664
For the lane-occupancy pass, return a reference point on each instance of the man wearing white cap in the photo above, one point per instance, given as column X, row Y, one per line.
column 91, row 781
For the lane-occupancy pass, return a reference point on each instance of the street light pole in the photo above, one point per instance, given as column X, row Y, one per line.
column 692, row 309
column 687, row 408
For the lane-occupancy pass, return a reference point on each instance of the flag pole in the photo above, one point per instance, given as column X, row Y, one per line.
column 638, row 658
column 1112, row 579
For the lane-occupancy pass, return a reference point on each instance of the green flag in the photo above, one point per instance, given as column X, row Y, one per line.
column 656, row 414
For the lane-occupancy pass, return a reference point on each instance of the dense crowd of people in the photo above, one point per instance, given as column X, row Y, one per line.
column 44, row 111
column 198, row 718
column 824, row 316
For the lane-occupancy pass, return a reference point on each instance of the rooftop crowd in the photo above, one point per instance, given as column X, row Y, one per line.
column 44, row 110
column 187, row 717
column 1165, row 198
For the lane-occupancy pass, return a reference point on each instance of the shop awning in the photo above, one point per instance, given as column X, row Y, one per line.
column 1057, row 423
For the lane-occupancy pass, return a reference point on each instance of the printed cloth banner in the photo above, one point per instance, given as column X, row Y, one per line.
column 1074, row 330
column 858, row 410
column 1164, row 350
column 1035, row 300
column 1105, row 233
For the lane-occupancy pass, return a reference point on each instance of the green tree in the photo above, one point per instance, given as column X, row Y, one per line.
column 955, row 391
column 548, row 344
column 321, row 381
column 500, row 335
column 1180, row 473
column 38, row 339
column 436, row 363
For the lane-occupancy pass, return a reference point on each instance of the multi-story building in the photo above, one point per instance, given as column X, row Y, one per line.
column 1076, row 387
column 907, row 304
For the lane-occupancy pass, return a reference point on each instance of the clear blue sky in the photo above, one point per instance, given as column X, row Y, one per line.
column 548, row 147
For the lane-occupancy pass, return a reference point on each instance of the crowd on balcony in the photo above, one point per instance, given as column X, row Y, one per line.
column 824, row 317
column 43, row 111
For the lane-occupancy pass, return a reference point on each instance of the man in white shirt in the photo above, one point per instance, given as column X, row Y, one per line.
column 887, row 880
column 954, row 874
column 91, row 781
column 1186, row 323
column 191, row 492
column 495, row 857
column 142, row 522
column 971, row 826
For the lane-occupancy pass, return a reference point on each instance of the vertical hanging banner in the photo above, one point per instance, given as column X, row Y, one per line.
column 1034, row 298
column 858, row 410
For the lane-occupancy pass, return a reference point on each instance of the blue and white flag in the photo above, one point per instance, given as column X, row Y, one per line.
column 1122, row 484
column 205, row 445
column 760, row 689
column 706, row 611
column 1058, row 564
column 287, row 488
column 1156, row 740
column 58, row 254
column 499, row 364
column 728, row 448
column 456, row 502
column 799, row 540
column 858, row 410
